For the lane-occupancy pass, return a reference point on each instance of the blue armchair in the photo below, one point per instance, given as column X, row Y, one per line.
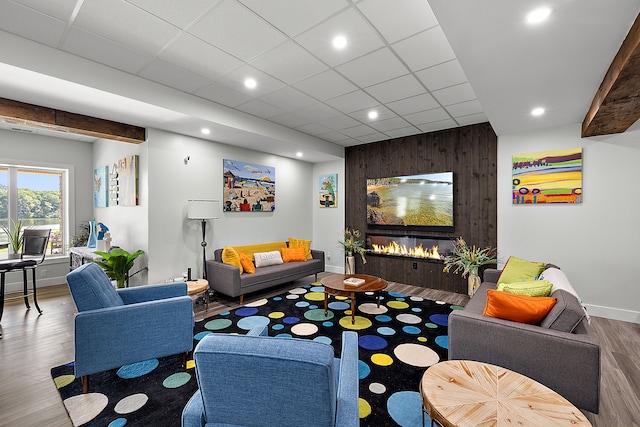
column 118, row 327
column 249, row 380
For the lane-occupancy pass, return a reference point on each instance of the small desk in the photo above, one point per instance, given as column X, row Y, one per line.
column 466, row 393
column 335, row 285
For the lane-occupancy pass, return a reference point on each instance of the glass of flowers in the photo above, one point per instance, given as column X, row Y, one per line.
column 467, row 260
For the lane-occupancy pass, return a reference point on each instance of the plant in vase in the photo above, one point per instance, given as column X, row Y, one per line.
column 117, row 263
column 467, row 260
column 14, row 236
column 352, row 245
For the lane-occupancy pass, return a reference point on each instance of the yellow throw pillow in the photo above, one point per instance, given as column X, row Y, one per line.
column 247, row 264
column 533, row 288
column 298, row 243
column 232, row 257
column 518, row 308
column 293, row 254
column 519, row 270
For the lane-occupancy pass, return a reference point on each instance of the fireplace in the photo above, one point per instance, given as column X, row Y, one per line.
column 430, row 248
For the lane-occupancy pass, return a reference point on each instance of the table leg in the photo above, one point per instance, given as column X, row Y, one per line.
column 378, row 298
column 326, row 296
column 353, row 308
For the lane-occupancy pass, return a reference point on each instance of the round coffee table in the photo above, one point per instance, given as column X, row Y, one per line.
column 334, row 285
column 466, row 393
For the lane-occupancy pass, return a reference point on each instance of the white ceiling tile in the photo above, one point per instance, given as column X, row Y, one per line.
column 454, row 94
column 443, row 124
column 399, row 133
column 389, row 124
column 334, row 136
column 289, row 63
column 313, row 129
column 125, row 24
column 294, row 16
column 465, row 108
column 374, row 137
column 290, row 120
column 354, row 101
column 340, row 122
column 361, row 38
column 428, row 116
column 28, row 23
column 222, row 94
column 266, row 84
column 200, row 57
column 325, row 85
column 442, row 75
column 415, row 16
column 363, row 115
column 99, row 49
column 172, row 76
column 395, row 89
column 414, row 104
column 60, row 9
column 259, row 108
column 366, row 71
column 357, row 131
column 237, row 31
column 318, row 112
column 425, row 49
column 178, row 13
column 472, row 119
column 289, row 98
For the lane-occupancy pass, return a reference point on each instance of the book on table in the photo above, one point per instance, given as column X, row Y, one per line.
column 353, row 281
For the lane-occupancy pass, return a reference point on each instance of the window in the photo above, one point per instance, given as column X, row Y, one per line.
column 35, row 197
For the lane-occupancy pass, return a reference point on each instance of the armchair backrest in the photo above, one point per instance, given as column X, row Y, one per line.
column 34, row 242
column 259, row 381
column 91, row 288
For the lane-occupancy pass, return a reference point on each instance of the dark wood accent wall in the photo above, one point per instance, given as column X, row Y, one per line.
column 471, row 153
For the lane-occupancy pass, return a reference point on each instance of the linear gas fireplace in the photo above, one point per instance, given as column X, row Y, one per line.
column 431, row 248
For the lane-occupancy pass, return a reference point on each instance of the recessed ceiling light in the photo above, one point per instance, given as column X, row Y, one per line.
column 339, row 42
column 205, row 131
column 373, row 115
column 299, row 154
column 538, row 15
column 537, row 111
column 250, row 83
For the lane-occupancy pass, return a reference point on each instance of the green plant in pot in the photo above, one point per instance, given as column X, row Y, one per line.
column 117, row 263
column 14, row 235
column 467, row 260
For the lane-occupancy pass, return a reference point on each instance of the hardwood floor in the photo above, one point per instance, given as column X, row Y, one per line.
column 31, row 345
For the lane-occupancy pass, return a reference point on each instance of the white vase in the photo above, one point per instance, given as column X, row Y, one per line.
column 350, row 265
column 473, row 283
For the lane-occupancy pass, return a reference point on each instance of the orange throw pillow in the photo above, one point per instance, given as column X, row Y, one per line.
column 247, row 264
column 293, row 254
column 518, row 308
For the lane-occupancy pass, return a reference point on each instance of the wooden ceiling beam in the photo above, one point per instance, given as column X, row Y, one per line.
column 616, row 105
column 21, row 113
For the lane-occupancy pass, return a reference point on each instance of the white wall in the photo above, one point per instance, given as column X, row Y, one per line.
column 328, row 223
column 54, row 152
column 596, row 242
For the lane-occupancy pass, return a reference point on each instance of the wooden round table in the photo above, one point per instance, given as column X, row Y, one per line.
column 467, row 393
column 198, row 287
column 334, row 285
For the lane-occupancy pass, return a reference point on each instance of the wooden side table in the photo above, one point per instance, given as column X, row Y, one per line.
column 199, row 287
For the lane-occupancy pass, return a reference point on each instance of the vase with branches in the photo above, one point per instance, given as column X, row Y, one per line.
column 352, row 244
column 467, row 260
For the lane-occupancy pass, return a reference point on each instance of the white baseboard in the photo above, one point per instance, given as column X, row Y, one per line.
column 16, row 287
column 334, row 269
column 613, row 313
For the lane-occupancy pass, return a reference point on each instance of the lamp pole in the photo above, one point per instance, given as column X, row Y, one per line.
column 204, row 249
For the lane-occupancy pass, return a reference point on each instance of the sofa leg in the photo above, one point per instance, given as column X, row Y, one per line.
column 85, row 384
column 241, row 299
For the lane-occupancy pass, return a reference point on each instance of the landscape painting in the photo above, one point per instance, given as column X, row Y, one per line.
column 545, row 177
column 248, row 187
column 328, row 188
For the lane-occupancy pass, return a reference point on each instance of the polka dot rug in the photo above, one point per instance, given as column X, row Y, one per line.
column 397, row 342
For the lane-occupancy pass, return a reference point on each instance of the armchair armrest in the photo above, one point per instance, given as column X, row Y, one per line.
column 347, row 387
column 193, row 412
column 152, row 292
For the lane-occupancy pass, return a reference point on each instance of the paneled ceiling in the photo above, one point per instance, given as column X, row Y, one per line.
column 422, row 66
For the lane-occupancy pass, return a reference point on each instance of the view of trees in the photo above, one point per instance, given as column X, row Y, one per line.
column 32, row 205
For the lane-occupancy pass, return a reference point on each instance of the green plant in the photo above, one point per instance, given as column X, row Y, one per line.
column 117, row 263
column 352, row 244
column 14, row 235
column 468, row 259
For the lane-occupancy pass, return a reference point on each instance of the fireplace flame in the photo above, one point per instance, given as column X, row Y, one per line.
column 419, row 251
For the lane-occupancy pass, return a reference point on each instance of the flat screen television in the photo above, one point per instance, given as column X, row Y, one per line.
column 424, row 200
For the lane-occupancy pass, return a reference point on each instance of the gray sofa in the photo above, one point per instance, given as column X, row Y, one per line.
column 568, row 363
column 227, row 279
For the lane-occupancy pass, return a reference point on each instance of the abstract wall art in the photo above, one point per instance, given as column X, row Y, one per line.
column 248, row 187
column 128, row 181
column 101, row 187
column 328, row 190
column 546, row 177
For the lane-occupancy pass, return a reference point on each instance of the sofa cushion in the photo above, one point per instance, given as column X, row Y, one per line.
column 232, row 257
column 566, row 314
column 293, row 254
column 518, row 308
column 518, row 270
column 301, row 243
column 264, row 259
column 533, row 288
column 250, row 250
column 247, row 264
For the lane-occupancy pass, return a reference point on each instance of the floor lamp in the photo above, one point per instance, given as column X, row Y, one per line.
column 203, row 210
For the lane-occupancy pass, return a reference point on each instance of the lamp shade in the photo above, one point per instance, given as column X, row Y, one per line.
column 202, row 209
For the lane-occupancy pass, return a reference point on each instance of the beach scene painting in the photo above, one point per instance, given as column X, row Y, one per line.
column 328, row 187
column 545, row 177
column 248, row 187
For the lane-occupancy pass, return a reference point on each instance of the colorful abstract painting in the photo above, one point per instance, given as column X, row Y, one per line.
column 128, row 181
column 328, row 190
column 548, row 177
column 101, row 187
column 248, row 187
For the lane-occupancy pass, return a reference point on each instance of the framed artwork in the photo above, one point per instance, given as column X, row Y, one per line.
column 128, row 181
column 248, row 187
column 101, row 187
column 545, row 177
column 328, row 190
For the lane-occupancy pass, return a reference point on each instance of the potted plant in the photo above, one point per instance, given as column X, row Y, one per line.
column 117, row 263
column 352, row 245
column 467, row 260
column 14, row 236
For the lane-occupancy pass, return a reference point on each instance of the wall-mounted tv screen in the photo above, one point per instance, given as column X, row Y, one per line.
column 416, row 200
